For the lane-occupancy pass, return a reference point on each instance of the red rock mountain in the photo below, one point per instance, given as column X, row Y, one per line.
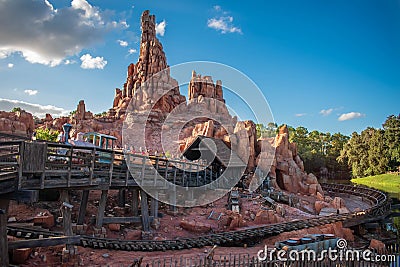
column 205, row 103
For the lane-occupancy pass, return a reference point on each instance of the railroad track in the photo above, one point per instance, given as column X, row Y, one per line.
column 378, row 200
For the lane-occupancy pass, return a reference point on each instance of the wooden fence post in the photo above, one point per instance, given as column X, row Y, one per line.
column 102, row 208
column 4, row 260
column 83, row 206
column 66, row 212
column 135, row 201
column 144, row 211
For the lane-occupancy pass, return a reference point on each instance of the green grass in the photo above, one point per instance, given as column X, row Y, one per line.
column 386, row 182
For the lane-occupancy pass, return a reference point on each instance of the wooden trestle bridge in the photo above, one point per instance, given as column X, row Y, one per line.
column 27, row 167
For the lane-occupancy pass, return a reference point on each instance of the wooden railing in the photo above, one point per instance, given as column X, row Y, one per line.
column 39, row 165
column 10, row 162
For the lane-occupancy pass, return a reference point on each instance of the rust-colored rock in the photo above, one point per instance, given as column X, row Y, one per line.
column 133, row 235
column 194, row 226
column 81, row 113
column 287, row 168
column 163, row 93
column 377, row 245
column 45, row 220
column 266, row 217
column 114, row 227
column 319, row 205
column 245, row 143
column 20, row 255
column 48, row 117
column 338, row 203
column 18, row 123
column 237, row 221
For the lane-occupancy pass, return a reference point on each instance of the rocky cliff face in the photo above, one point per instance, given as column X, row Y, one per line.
column 151, row 61
column 149, row 86
column 287, row 170
column 18, row 123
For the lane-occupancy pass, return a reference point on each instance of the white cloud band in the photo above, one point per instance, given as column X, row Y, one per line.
column 350, row 116
column 46, row 35
column 36, row 109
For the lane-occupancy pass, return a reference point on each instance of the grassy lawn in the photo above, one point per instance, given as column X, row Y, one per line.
column 386, row 182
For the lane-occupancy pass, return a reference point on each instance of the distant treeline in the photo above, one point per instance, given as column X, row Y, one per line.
column 374, row 151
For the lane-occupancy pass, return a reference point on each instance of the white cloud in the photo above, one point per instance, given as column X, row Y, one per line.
column 300, row 114
column 45, row 35
column 36, row 109
column 222, row 22
column 31, row 92
column 326, row 112
column 350, row 116
column 217, row 8
column 160, row 28
column 69, row 62
column 123, row 43
column 124, row 24
column 89, row 62
column 10, row 65
column 132, row 51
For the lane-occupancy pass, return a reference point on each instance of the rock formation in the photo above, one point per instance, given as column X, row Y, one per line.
column 149, row 87
column 244, row 142
column 17, row 123
column 81, row 113
column 287, row 170
column 202, row 90
column 151, row 61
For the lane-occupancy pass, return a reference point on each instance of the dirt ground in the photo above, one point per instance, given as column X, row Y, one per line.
column 169, row 228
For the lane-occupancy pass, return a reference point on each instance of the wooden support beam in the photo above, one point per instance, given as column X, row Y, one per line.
column 154, row 206
column 144, row 211
column 135, row 201
column 102, row 208
column 111, row 166
column 121, row 197
column 93, row 160
column 4, row 260
column 45, row 242
column 83, row 206
column 132, row 219
column 20, row 162
column 172, row 199
column 71, row 153
column 66, row 212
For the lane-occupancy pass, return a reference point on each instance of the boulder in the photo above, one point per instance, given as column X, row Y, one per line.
column 133, row 235
column 338, row 203
column 197, row 227
column 46, row 220
column 319, row 205
column 20, row 255
column 114, row 227
column 237, row 221
column 377, row 245
column 246, row 140
column 265, row 217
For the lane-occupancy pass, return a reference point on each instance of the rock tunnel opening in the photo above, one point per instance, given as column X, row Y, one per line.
column 279, row 179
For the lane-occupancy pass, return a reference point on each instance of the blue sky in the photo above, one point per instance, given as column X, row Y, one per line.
column 326, row 65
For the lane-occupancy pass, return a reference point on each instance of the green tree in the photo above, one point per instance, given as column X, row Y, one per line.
column 392, row 140
column 15, row 109
column 365, row 153
column 266, row 131
column 47, row 135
